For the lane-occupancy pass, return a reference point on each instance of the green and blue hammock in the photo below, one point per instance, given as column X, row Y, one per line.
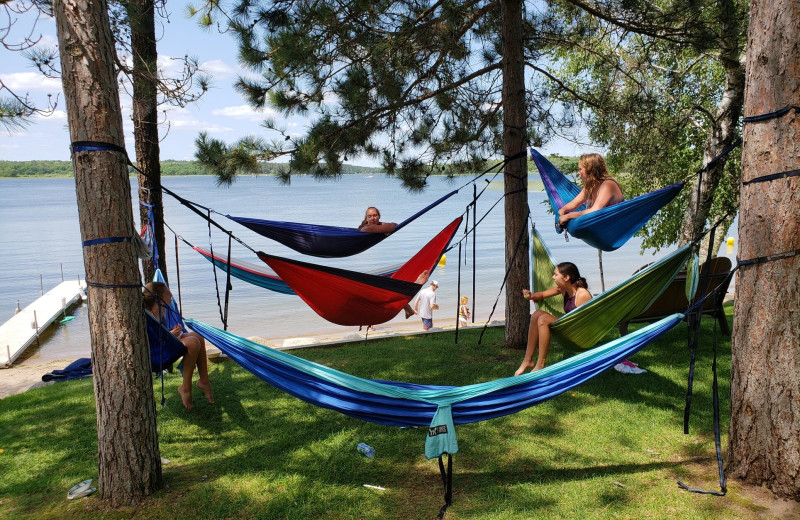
column 438, row 407
column 324, row 241
column 607, row 228
column 442, row 407
column 589, row 323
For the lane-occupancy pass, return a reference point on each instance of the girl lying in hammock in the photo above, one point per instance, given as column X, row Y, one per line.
column 600, row 190
column 573, row 286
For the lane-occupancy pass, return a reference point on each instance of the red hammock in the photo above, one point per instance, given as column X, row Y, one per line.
column 351, row 298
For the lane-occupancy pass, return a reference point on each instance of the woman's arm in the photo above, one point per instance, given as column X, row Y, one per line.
column 605, row 194
column 574, row 203
column 383, row 227
column 537, row 296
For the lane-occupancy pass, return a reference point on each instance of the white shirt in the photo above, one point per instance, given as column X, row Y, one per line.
column 425, row 301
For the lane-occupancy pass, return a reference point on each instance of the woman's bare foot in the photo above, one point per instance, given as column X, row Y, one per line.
column 522, row 368
column 186, row 397
column 206, row 387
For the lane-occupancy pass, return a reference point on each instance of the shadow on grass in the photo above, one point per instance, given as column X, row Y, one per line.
column 266, row 454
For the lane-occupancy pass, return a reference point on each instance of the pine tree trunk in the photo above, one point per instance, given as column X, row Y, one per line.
column 128, row 456
column 764, row 439
column 141, row 14
column 516, row 175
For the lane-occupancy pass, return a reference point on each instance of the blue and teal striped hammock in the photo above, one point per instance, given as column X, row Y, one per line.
column 438, row 407
column 325, row 241
column 607, row 228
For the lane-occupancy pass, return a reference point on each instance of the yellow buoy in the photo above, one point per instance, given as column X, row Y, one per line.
column 443, row 260
column 730, row 241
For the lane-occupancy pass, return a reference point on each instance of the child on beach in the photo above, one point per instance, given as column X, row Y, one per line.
column 463, row 311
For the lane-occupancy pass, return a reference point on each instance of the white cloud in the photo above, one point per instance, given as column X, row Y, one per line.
column 21, row 82
column 57, row 115
column 47, row 41
column 244, row 112
column 218, row 69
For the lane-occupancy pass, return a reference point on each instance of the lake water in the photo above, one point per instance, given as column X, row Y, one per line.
column 39, row 219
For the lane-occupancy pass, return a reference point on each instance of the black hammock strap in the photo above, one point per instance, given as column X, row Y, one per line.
column 447, row 480
column 769, row 258
column 771, row 115
column 772, row 177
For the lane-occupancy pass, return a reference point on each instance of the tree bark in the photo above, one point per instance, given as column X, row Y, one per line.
column 723, row 129
column 516, row 175
column 141, row 14
column 764, row 439
column 129, row 464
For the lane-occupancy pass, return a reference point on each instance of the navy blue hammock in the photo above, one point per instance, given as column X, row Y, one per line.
column 407, row 404
column 607, row 228
column 324, row 241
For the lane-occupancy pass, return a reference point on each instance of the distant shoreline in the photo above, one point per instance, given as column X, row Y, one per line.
column 169, row 168
column 37, row 169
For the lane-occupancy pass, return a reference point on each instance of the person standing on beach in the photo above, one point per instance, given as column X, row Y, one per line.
column 426, row 304
column 157, row 296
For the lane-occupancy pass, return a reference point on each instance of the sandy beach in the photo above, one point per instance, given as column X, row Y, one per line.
column 26, row 373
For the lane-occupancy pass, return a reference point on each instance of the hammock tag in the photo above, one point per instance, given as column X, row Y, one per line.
column 433, row 431
column 441, row 434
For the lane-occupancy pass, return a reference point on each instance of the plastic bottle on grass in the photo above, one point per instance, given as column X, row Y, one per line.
column 365, row 449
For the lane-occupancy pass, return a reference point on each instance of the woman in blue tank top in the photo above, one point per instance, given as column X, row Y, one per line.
column 573, row 287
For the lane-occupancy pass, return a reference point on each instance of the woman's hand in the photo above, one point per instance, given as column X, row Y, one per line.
column 176, row 331
column 563, row 219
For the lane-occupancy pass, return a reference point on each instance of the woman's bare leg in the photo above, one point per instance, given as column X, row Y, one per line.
column 193, row 346
column 203, row 383
column 533, row 342
column 543, row 324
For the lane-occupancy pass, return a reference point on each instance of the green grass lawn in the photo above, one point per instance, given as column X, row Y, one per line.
column 611, row 448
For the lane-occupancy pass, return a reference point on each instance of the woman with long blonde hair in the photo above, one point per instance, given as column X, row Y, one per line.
column 600, row 190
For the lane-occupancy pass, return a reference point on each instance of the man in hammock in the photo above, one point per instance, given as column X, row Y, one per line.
column 600, row 190
column 372, row 224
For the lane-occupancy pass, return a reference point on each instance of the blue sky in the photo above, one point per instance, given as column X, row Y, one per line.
column 221, row 112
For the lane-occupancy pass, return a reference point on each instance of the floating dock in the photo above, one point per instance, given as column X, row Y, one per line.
column 18, row 333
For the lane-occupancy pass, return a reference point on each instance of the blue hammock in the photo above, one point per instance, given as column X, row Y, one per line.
column 439, row 407
column 607, row 228
column 324, row 241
